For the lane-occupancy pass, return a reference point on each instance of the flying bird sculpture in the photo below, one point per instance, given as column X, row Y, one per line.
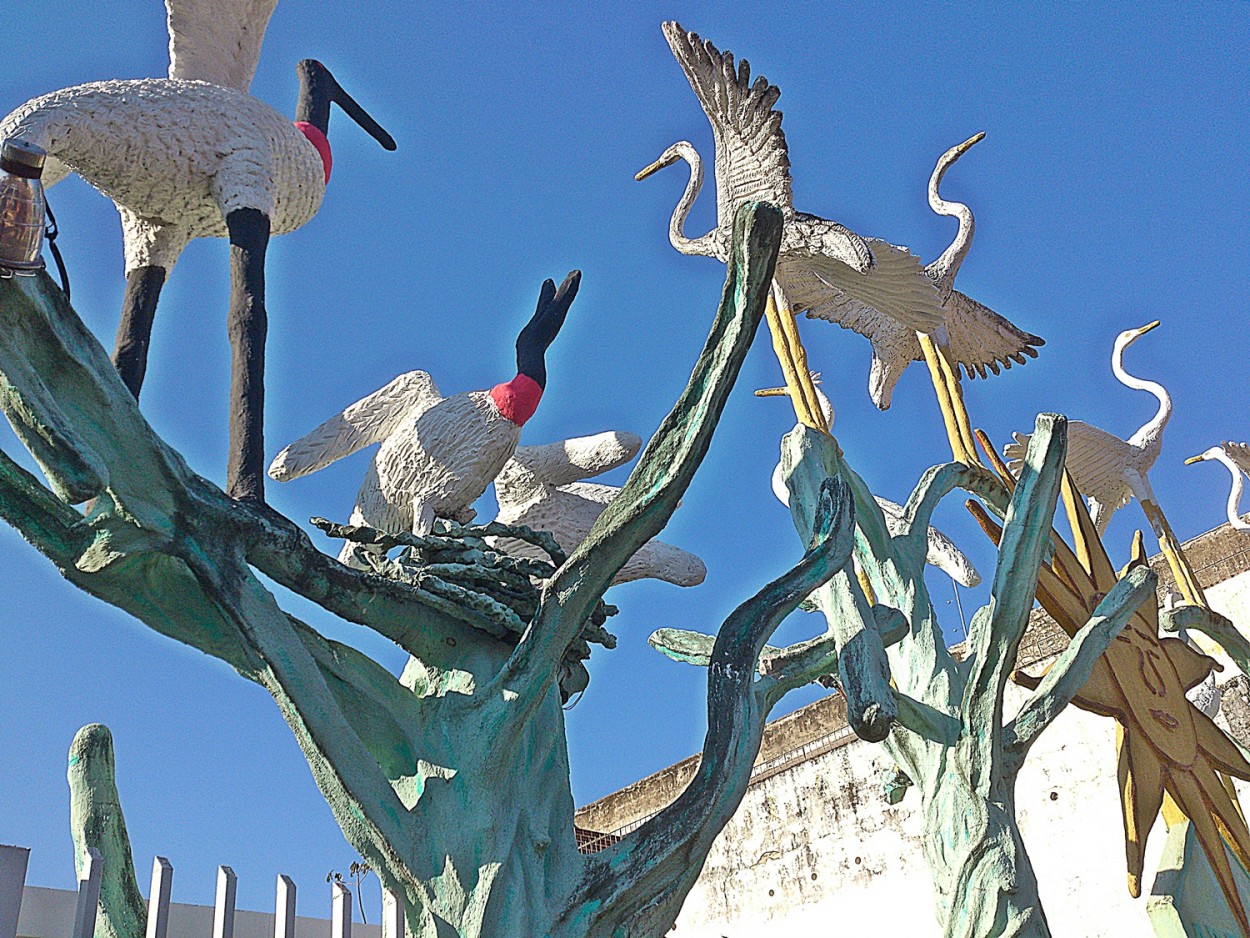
column 1107, row 470
column 542, row 488
column 1236, row 458
column 194, row 155
column 942, row 552
column 823, row 269
column 975, row 337
column 438, row 454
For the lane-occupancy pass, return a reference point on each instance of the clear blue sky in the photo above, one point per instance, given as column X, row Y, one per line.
column 1112, row 189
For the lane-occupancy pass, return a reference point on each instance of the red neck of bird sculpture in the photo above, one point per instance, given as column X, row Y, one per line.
column 317, row 139
column 518, row 399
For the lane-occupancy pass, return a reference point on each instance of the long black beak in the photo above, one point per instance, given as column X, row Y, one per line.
column 318, row 89
column 541, row 330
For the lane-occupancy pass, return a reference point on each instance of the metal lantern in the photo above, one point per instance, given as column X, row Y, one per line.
column 22, row 206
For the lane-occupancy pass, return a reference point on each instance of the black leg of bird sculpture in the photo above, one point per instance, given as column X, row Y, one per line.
column 248, row 326
column 134, row 332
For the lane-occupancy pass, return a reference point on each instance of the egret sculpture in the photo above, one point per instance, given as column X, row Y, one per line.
column 542, row 488
column 194, row 155
column 438, row 454
column 977, row 339
column 942, row 552
column 1236, row 458
column 1107, row 470
column 824, row 269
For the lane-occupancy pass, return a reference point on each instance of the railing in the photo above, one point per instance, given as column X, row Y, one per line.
column 13, row 862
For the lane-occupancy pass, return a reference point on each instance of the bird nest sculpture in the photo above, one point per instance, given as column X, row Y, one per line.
column 458, row 563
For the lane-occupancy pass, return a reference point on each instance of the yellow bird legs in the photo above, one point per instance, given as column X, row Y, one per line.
column 1186, row 579
column 793, row 360
column 950, row 401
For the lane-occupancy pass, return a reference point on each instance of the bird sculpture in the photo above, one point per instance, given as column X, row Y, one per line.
column 975, row 338
column 942, row 552
column 1107, row 470
column 1236, row 458
column 542, row 488
column 195, row 155
column 823, row 268
column 438, row 454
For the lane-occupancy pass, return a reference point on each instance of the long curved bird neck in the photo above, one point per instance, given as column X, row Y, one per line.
column 316, row 92
column 1150, row 436
column 706, row 245
column 944, row 268
column 1234, row 495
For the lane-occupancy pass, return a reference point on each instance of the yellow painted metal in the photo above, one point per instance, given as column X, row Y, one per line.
column 793, row 360
column 1186, row 579
column 950, row 401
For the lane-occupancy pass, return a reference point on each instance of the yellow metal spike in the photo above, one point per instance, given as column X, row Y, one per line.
column 1186, row 579
column 793, row 360
column 950, row 402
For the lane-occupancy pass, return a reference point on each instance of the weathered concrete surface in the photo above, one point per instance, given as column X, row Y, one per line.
column 815, row 847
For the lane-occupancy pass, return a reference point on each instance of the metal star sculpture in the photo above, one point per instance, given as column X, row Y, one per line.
column 1164, row 742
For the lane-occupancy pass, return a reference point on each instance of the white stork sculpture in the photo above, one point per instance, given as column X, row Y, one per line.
column 195, row 156
column 437, row 454
column 824, row 269
column 942, row 552
column 1107, row 470
column 542, row 487
column 976, row 337
column 1236, row 458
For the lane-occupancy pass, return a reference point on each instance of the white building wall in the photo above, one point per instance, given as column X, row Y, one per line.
column 817, row 850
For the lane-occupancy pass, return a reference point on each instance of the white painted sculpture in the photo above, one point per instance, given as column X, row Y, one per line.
column 824, row 269
column 1107, row 470
column 975, row 337
column 942, row 552
column 1236, row 458
column 194, row 155
column 542, row 487
column 438, row 454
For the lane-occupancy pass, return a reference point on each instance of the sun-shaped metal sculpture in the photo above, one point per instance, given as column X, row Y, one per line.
column 1165, row 743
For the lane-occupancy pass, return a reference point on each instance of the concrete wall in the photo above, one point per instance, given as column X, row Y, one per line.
column 816, row 849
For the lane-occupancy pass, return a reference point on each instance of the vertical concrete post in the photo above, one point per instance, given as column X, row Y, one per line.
column 223, row 907
column 12, row 882
column 392, row 915
column 284, row 916
column 88, row 894
column 158, row 898
column 341, row 911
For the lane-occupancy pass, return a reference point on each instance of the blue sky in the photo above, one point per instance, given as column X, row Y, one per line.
column 1111, row 190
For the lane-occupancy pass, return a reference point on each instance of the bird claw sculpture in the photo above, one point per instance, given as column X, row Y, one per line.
column 543, row 487
column 437, row 455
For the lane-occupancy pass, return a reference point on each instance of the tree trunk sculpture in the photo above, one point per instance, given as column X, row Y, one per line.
column 452, row 781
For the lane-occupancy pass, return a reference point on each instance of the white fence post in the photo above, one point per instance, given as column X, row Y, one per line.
column 392, row 915
column 223, row 908
column 12, row 882
column 158, row 897
column 341, row 911
column 284, row 918
column 88, row 894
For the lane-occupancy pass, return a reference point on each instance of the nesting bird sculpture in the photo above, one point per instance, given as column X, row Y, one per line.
column 823, row 269
column 974, row 338
column 195, row 155
column 543, row 487
column 1236, row 459
column 438, row 454
column 1107, row 470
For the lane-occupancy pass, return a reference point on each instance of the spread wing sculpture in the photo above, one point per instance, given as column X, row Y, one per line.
column 542, row 488
column 824, row 269
column 1236, row 458
column 195, row 156
column 977, row 339
column 1107, row 470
